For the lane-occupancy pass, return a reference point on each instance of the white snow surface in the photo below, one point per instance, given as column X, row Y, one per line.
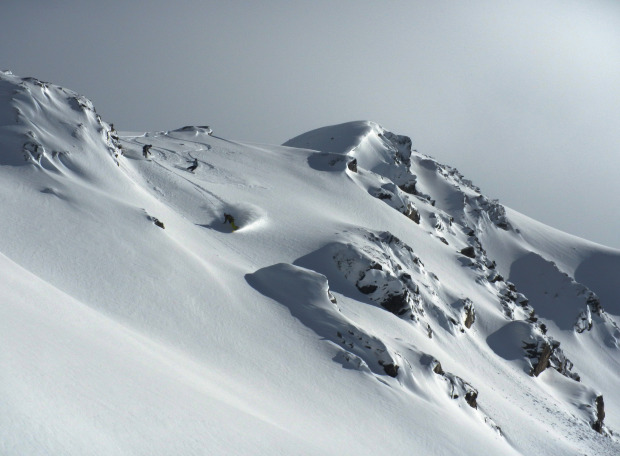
column 344, row 316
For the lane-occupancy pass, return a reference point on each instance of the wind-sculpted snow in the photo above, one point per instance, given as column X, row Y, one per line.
column 600, row 272
column 557, row 297
column 306, row 294
column 52, row 127
column 341, row 294
column 380, row 268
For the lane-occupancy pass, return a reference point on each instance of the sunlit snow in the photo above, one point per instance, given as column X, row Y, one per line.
column 368, row 300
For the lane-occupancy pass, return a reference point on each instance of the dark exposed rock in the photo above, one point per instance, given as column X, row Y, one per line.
column 469, row 252
column 600, row 415
column 412, row 213
column 352, row 165
column 510, row 295
column 507, row 306
column 391, row 369
column 543, row 361
column 584, row 321
column 409, row 187
column 496, row 278
column 396, row 303
column 367, row 289
column 545, row 352
column 402, row 143
column 389, row 273
column 470, row 398
column 496, row 212
column 159, row 223
column 458, row 386
column 470, row 315
column 595, row 304
column 600, row 408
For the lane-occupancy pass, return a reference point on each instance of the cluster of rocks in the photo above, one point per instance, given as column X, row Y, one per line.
column 545, row 352
column 455, row 177
column 392, row 281
column 81, row 104
column 459, row 388
column 392, row 195
column 402, row 146
column 492, row 208
column 366, row 350
column 111, row 136
column 383, row 272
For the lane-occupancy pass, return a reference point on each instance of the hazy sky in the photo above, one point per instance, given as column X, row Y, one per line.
column 522, row 96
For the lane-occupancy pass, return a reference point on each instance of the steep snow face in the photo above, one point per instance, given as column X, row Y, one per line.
column 340, row 294
column 52, row 127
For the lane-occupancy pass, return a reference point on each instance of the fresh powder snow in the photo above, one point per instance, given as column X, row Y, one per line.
column 340, row 294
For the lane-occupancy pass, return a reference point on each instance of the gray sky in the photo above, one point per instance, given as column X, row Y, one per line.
column 522, row 96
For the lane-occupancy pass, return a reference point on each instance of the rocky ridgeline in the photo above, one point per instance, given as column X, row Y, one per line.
column 401, row 145
column 392, row 195
column 388, row 272
column 542, row 351
column 474, row 204
column 391, row 274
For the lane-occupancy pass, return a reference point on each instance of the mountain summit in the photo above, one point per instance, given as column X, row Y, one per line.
column 339, row 294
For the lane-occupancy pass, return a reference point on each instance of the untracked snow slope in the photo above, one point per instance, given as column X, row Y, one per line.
column 370, row 301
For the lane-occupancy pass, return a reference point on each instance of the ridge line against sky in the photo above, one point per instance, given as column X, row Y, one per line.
column 523, row 97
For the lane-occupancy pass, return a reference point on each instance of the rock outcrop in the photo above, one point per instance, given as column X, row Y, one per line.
column 600, row 415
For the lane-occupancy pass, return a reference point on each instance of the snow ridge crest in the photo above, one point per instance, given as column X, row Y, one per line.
column 51, row 127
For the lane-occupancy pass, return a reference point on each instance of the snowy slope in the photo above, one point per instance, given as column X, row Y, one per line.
column 372, row 301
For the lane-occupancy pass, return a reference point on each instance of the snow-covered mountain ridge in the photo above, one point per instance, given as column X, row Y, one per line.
column 371, row 301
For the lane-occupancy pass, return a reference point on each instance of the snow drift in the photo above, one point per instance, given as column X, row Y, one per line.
column 371, row 301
